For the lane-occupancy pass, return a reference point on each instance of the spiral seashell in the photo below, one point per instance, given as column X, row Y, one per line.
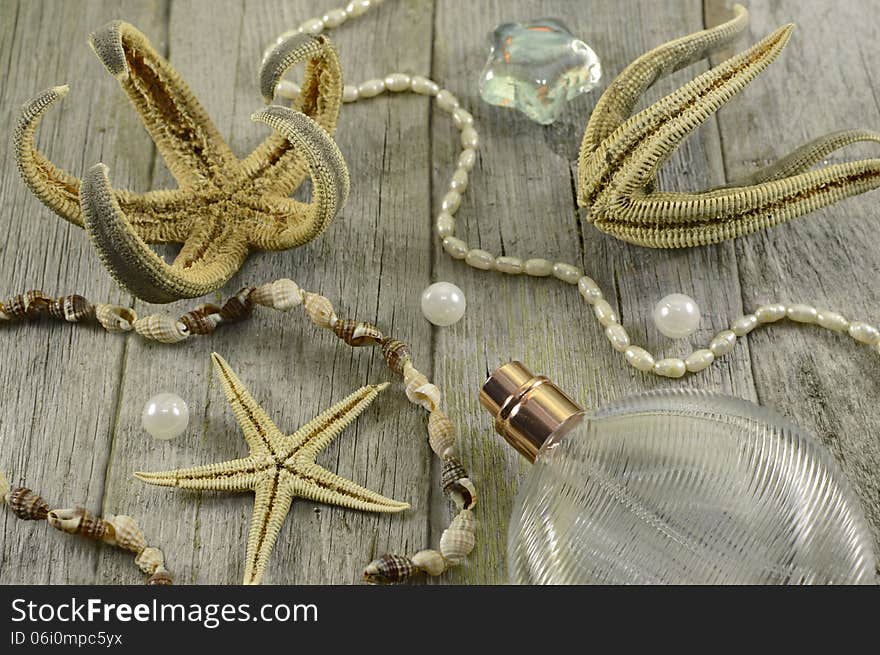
column 125, row 533
column 357, row 333
column 79, row 521
column 389, row 569
column 420, row 391
column 457, row 541
column 163, row 328
column 319, row 309
column 202, row 320
column 114, row 318
column 453, row 470
column 26, row 504
column 72, row 309
column 238, row 306
column 282, row 295
column 26, row 305
column 162, row 576
column 429, row 561
column 441, row 434
column 396, row 354
column 149, row 560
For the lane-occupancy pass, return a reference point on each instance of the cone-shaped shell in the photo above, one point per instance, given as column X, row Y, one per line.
column 319, row 309
column 453, row 470
column 463, row 493
column 26, row 305
column 357, row 333
column 72, row 309
column 282, row 295
column 163, row 328
column 441, row 434
column 79, row 521
column 126, row 534
column 456, row 544
column 396, row 354
column 162, row 576
column 27, row 505
column 239, row 306
column 389, row 569
column 115, row 319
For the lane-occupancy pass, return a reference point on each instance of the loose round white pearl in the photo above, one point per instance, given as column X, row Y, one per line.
column 443, row 303
column 165, row 416
column 677, row 316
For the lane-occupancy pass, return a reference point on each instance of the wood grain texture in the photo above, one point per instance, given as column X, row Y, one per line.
column 70, row 419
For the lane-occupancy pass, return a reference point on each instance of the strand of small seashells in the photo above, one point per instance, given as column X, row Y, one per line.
column 636, row 356
column 456, row 542
column 120, row 530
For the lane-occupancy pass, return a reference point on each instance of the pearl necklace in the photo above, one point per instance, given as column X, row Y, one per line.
column 636, row 356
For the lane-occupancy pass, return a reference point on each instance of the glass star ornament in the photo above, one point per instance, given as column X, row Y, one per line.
column 536, row 67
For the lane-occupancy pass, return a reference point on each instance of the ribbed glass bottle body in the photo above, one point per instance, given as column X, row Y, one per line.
column 683, row 487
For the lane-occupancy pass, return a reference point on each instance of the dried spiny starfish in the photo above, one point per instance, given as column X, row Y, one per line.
column 621, row 154
column 224, row 206
column 279, row 468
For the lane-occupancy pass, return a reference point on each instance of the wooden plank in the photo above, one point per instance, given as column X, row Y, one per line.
column 291, row 367
column 60, row 381
column 825, row 80
column 521, row 202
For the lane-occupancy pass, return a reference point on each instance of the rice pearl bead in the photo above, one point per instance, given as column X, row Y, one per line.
column 723, row 343
column 445, row 225
column 459, row 181
column 864, row 333
column 480, row 259
column 350, row 93
column 832, row 320
column 424, row 86
column 699, row 360
column 589, row 289
column 744, row 324
column 639, row 358
column 538, row 267
column 604, row 313
column 567, row 273
column 770, row 313
column 467, row 159
column 357, row 7
column 288, row 89
column 446, row 101
column 455, row 248
column 802, row 313
column 509, row 265
column 451, row 202
column 312, row 26
column 335, row 17
column 618, row 337
column 397, row 82
column 462, row 118
column 469, row 138
column 371, row 88
column 673, row 367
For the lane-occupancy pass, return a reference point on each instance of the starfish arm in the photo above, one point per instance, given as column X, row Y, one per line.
column 676, row 220
column 272, row 500
column 209, row 258
column 259, row 431
column 277, row 165
column 330, row 182
column 234, row 475
column 313, row 482
column 56, row 188
column 621, row 96
column 184, row 134
column 806, row 156
column 315, row 435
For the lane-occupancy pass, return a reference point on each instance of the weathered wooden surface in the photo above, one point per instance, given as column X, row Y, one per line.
column 70, row 419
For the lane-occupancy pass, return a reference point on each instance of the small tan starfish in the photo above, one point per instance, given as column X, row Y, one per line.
column 224, row 207
column 279, row 468
column 621, row 153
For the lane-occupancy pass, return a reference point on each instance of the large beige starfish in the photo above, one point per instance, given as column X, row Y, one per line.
column 279, row 468
column 621, row 154
column 224, row 207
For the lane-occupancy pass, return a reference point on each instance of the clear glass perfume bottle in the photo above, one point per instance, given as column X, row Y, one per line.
column 675, row 487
